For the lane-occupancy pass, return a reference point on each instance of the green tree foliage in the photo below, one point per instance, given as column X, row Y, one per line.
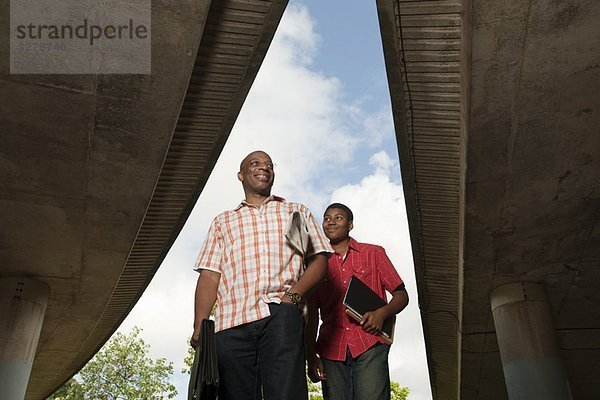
column 123, row 370
column 314, row 389
column 72, row 387
column 399, row 392
column 188, row 361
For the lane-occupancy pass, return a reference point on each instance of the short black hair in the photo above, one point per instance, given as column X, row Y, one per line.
column 343, row 207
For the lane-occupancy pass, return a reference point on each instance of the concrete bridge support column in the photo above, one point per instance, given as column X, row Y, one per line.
column 529, row 350
column 22, row 307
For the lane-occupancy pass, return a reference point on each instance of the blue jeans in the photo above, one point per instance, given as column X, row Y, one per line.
column 365, row 377
column 265, row 356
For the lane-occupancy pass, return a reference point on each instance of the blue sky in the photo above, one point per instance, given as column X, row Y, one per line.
column 320, row 107
column 350, row 47
column 350, row 50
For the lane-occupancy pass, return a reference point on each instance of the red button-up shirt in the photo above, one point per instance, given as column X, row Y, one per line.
column 339, row 331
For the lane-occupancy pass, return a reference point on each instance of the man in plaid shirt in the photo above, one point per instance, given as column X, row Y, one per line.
column 353, row 362
column 258, row 280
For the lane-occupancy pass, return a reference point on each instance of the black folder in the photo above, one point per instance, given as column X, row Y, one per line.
column 204, row 379
column 360, row 299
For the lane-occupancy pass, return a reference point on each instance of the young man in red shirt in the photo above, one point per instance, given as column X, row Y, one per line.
column 351, row 358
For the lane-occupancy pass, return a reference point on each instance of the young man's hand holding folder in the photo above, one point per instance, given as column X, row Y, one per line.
column 364, row 305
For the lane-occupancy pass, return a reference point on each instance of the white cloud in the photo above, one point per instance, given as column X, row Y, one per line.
column 375, row 126
column 298, row 116
column 383, row 163
column 297, row 41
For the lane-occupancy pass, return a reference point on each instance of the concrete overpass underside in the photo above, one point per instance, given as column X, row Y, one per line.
column 497, row 113
column 100, row 172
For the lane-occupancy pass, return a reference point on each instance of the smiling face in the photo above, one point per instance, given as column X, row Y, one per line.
column 257, row 174
column 336, row 225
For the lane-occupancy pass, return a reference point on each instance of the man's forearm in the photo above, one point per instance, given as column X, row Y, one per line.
column 205, row 296
column 314, row 274
column 310, row 330
column 398, row 302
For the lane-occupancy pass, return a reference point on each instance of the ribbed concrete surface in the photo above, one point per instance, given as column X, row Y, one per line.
column 496, row 112
column 422, row 44
column 100, row 172
column 235, row 39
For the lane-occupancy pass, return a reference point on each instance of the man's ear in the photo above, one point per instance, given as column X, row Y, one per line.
column 240, row 176
column 350, row 225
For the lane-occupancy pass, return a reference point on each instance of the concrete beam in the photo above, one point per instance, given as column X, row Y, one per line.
column 533, row 368
column 23, row 304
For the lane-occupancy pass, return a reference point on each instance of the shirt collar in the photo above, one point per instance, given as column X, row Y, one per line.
column 268, row 199
column 353, row 244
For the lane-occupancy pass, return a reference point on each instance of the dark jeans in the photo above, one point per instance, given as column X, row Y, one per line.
column 365, row 377
column 265, row 355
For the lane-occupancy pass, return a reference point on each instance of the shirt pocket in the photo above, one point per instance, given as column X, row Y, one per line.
column 364, row 273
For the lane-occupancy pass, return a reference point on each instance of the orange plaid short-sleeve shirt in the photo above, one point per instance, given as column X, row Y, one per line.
column 257, row 265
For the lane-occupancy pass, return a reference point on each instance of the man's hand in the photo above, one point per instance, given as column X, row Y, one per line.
column 372, row 321
column 195, row 338
column 315, row 369
column 285, row 299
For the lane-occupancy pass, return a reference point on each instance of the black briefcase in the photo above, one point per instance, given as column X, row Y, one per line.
column 204, row 380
